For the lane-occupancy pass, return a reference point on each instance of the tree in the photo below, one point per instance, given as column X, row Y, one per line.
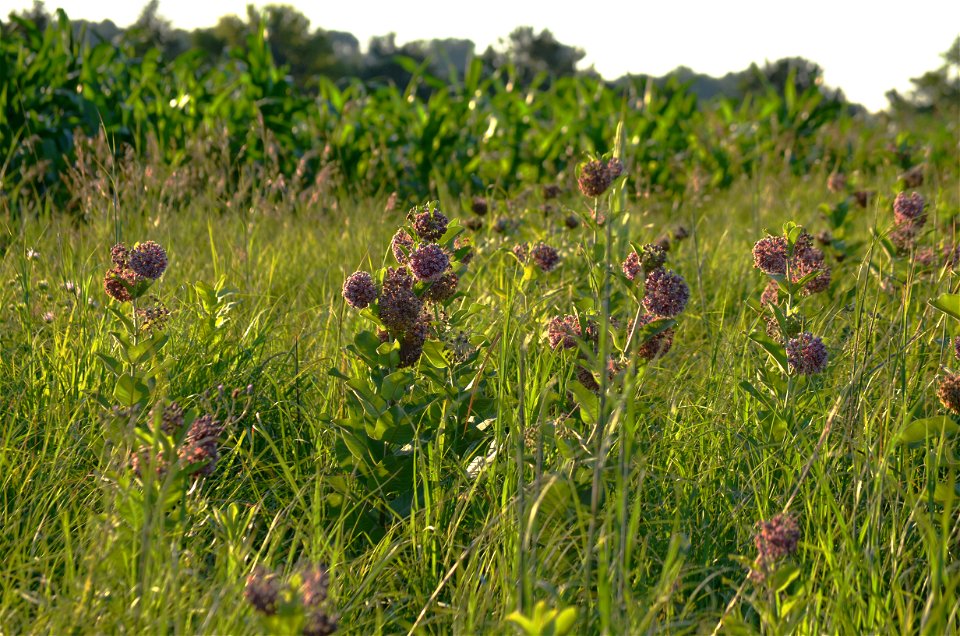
column 935, row 91
column 534, row 53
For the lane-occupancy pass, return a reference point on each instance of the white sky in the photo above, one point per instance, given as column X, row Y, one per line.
column 865, row 48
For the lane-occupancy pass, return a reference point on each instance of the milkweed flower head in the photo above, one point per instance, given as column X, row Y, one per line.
column 147, row 259
column 314, row 584
column 909, row 210
column 563, row 332
column 776, row 538
column 806, row 260
column 428, row 262
column 411, row 344
column 443, row 288
column 806, row 354
column 770, row 255
column 771, row 293
column 837, row 182
column 399, row 306
column 545, row 257
column 949, row 392
column 615, row 167
column 200, row 450
column 594, row 178
column 401, row 245
column 479, row 206
column 657, row 345
column 118, row 282
column 262, row 590
column 359, row 290
column 430, row 224
column 665, row 293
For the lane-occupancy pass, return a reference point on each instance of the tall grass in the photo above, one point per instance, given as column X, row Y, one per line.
column 644, row 524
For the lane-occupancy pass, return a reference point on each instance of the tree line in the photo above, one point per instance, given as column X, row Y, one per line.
column 311, row 53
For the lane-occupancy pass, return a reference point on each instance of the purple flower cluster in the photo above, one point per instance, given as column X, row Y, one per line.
column 264, row 592
column 775, row 539
column 837, row 182
column 551, row 191
column 133, row 270
column 771, row 293
column 201, row 448
column 656, row 346
column 806, row 354
column 949, row 392
column 909, row 216
column 443, row 288
column 666, row 293
column 563, row 332
column 428, row 262
column 412, row 341
column 197, row 455
column 544, row 257
column 359, row 290
column 479, row 206
column 594, row 178
column 147, row 259
column 401, row 245
column 806, row 260
column 770, row 255
column 650, row 258
column 429, row 224
column 399, row 306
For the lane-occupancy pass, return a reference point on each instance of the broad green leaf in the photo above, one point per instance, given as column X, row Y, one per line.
column 130, row 390
column 948, row 304
column 918, row 431
column 774, row 349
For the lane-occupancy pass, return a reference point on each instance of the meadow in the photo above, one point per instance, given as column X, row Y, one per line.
column 558, row 360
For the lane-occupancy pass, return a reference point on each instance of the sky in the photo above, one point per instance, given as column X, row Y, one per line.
column 865, row 48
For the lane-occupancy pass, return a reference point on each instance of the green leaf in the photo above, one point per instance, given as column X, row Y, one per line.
column 918, row 431
column 948, row 304
column 130, row 390
column 148, row 348
column 589, row 404
column 396, row 384
column 774, row 349
column 433, row 353
column 112, row 364
column 564, row 621
column 367, row 343
column 754, row 392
